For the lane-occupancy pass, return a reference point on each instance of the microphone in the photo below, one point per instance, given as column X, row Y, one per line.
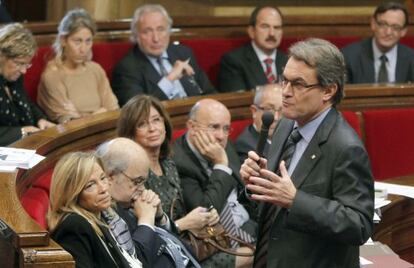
column 267, row 120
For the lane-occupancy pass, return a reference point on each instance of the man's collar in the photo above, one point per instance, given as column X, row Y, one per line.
column 378, row 53
column 261, row 55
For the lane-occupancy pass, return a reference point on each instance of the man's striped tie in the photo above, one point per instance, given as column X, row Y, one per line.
column 271, row 78
column 260, row 259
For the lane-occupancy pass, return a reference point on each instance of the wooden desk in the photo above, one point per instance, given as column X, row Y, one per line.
column 29, row 245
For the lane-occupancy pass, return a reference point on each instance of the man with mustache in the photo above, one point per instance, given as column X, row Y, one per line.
column 258, row 62
column 382, row 58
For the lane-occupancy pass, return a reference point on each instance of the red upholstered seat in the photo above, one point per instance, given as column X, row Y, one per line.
column 352, row 119
column 43, row 181
column 32, row 76
column 36, row 202
column 109, row 54
column 389, row 141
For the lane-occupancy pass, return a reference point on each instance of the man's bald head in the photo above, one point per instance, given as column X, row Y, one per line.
column 127, row 165
column 212, row 116
column 120, row 153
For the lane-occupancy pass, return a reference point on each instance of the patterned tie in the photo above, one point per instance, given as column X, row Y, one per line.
column 271, row 78
column 163, row 71
column 260, row 259
column 383, row 73
column 120, row 231
column 227, row 220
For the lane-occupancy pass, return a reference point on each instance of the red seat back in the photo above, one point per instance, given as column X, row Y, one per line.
column 389, row 141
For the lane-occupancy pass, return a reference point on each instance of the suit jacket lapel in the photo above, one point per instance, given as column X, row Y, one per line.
column 401, row 67
column 255, row 66
column 151, row 74
column 367, row 61
column 193, row 158
column 282, row 132
column 313, row 152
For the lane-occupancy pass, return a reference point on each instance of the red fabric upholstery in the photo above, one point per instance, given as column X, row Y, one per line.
column 238, row 126
column 178, row 133
column 108, row 54
column 43, row 181
column 352, row 119
column 36, row 202
column 32, row 76
column 209, row 59
column 389, row 141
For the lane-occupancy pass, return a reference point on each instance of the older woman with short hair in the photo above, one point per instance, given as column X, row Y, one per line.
column 18, row 115
column 72, row 85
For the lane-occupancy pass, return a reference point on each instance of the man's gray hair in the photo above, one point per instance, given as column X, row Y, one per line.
column 113, row 162
column 193, row 112
column 147, row 9
column 326, row 59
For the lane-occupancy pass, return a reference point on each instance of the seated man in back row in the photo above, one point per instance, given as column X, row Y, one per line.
column 382, row 59
column 267, row 98
column 258, row 62
column 155, row 67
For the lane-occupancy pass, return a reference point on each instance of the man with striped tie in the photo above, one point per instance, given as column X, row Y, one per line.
column 315, row 189
column 259, row 62
column 208, row 166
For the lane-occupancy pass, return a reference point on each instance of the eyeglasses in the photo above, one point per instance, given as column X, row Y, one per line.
column 21, row 65
column 269, row 109
column 214, row 128
column 145, row 125
column 384, row 26
column 137, row 180
column 296, row 85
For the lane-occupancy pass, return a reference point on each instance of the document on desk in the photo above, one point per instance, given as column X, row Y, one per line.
column 396, row 189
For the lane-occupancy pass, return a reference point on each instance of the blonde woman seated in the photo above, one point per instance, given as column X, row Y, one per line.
column 72, row 86
column 79, row 200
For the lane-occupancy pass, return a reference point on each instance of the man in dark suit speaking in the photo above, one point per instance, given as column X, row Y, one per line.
column 155, row 67
column 316, row 188
column 258, row 62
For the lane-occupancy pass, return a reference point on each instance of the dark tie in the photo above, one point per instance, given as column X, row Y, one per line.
column 163, row 71
column 271, row 78
column 382, row 73
column 260, row 259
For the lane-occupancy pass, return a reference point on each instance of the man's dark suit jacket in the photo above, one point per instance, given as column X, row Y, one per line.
column 359, row 59
column 332, row 212
column 199, row 189
column 135, row 74
column 247, row 141
column 147, row 240
column 76, row 235
column 241, row 69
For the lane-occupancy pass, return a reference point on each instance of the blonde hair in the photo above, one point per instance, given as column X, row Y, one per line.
column 70, row 176
column 73, row 21
column 16, row 41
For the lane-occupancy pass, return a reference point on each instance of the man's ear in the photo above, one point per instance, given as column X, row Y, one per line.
column 330, row 92
column 250, row 31
column 253, row 110
column 189, row 124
